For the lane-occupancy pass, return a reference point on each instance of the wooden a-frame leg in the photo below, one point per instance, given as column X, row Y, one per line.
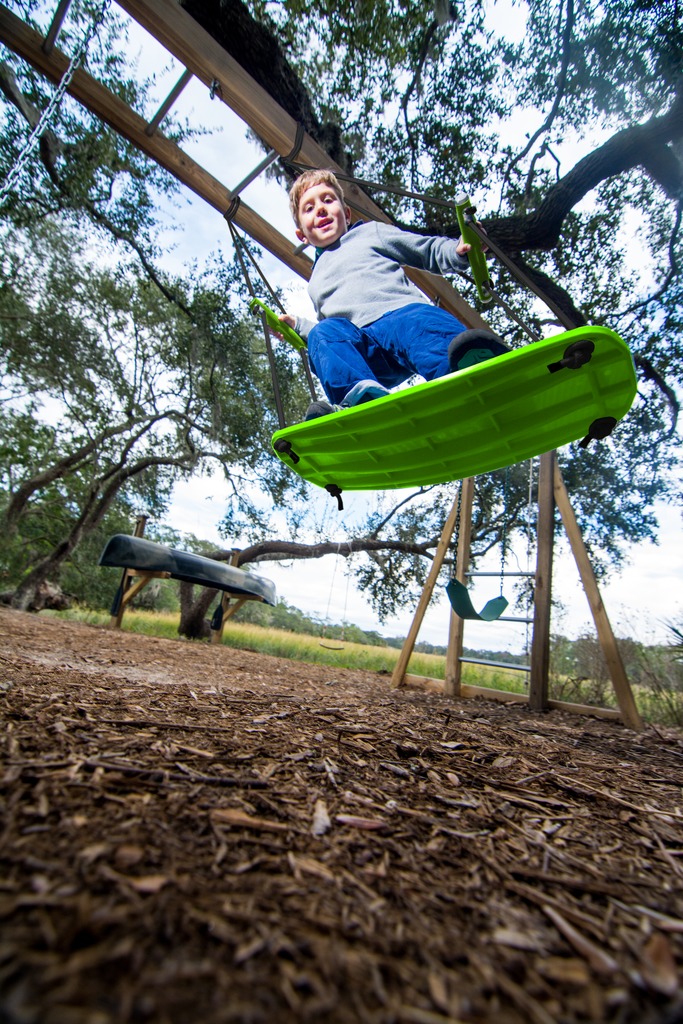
column 630, row 715
column 401, row 666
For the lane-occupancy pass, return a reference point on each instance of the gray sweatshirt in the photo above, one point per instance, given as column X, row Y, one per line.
column 360, row 276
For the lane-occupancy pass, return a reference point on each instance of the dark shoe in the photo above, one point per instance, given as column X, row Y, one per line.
column 318, row 409
column 472, row 347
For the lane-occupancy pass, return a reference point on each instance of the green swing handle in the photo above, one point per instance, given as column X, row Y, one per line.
column 289, row 335
column 478, row 265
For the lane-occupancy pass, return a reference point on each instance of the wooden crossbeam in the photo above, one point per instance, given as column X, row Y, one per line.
column 27, row 43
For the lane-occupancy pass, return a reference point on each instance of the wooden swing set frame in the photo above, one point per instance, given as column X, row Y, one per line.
column 551, row 492
column 204, row 58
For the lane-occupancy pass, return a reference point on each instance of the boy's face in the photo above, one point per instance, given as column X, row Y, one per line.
column 322, row 215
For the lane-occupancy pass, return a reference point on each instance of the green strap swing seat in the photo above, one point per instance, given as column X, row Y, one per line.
column 457, row 592
column 461, row 603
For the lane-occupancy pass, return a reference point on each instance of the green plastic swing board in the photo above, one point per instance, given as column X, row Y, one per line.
column 483, row 418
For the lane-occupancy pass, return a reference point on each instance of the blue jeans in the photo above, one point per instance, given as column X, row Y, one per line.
column 411, row 339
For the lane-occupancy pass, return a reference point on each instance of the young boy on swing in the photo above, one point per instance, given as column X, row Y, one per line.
column 375, row 328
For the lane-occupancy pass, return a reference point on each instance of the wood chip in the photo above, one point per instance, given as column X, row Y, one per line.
column 658, row 965
column 240, row 819
column 322, row 884
column 365, row 824
column 321, row 819
column 599, row 960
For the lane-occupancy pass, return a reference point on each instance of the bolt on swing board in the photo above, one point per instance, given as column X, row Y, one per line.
column 573, row 386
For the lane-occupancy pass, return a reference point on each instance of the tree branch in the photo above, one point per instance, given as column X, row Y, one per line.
column 561, row 83
column 121, row 236
column 59, row 470
column 405, row 99
column 392, row 513
column 650, row 373
column 670, row 277
column 637, row 146
column 92, row 511
column 274, row 551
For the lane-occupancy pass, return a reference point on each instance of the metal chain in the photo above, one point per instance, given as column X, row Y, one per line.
column 503, row 540
column 456, row 532
column 56, row 99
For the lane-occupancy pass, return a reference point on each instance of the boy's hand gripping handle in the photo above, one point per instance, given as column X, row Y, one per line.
column 256, row 306
column 478, row 265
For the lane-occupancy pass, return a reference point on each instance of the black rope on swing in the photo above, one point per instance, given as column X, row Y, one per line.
column 517, row 272
column 231, row 211
column 241, row 247
column 276, row 300
column 238, row 243
column 298, row 143
column 380, row 187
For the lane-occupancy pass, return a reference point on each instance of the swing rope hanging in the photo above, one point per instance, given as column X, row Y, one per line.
column 268, row 318
column 324, row 641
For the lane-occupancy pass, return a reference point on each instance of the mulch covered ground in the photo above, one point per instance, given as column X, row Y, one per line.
column 193, row 834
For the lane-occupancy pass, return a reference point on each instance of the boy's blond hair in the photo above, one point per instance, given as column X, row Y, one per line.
column 308, row 179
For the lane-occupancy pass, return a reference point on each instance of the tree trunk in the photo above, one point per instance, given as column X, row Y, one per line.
column 193, row 622
column 27, row 595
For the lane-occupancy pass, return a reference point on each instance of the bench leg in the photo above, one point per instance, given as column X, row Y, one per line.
column 227, row 610
column 128, row 590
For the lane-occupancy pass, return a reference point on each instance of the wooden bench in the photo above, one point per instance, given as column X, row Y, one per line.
column 143, row 560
